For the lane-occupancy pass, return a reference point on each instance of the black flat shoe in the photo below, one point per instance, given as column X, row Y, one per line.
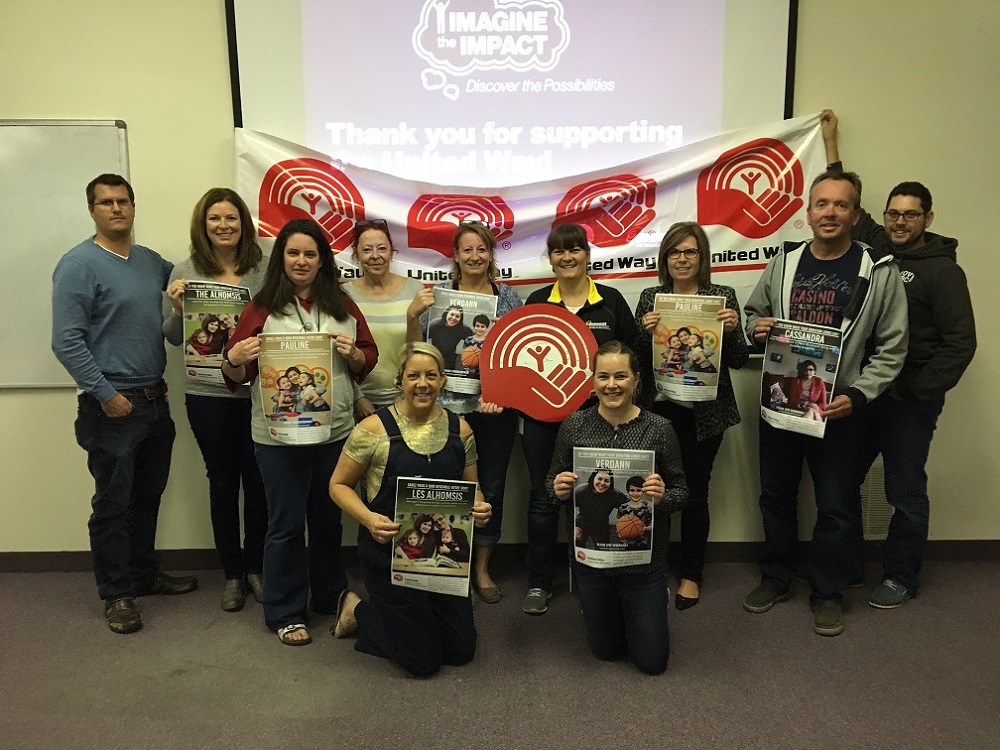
column 685, row 602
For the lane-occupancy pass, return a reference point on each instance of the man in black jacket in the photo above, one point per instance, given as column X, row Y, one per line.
column 901, row 422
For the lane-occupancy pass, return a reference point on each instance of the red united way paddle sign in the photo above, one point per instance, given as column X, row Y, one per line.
column 538, row 361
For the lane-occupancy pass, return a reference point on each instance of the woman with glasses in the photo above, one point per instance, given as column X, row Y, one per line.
column 391, row 305
column 474, row 269
column 609, row 317
column 300, row 293
column 686, row 268
column 224, row 249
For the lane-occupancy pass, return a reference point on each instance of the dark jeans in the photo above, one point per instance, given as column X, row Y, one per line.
column 222, row 428
column 626, row 615
column 494, row 444
column 902, row 431
column 838, row 539
column 297, row 481
column 418, row 630
column 697, row 456
column 129, row 458
column 539, row 441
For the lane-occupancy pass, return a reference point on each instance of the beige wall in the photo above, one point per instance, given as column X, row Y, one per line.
column 899, row 75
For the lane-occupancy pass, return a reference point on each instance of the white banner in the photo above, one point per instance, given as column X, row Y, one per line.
column 748, row 188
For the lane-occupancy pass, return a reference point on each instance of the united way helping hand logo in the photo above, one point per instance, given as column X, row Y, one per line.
column 538, row 361
column 433, row 217
column 613, row 210
column 459, row 37
column 310, row 189
column 752, row 189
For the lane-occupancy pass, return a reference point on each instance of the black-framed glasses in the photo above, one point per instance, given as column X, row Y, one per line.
column 689, row 253
column 894, row 215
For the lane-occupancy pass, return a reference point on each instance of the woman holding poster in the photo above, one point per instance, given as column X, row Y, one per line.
column 625, row 609
column 300, row 293
column 685, row 264
column 474, row 269
column 391, row 305
column 609, row 317
column 224, row 250
column 419, row 630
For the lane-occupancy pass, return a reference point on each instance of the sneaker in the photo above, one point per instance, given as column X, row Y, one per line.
column 889, row 595
column 828, row 617
column 536, row 602
column 762, row 599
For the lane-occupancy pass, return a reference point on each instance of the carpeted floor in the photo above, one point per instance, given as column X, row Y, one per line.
column 922, row 676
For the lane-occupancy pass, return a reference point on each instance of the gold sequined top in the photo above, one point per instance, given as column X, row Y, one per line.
column 426, row 438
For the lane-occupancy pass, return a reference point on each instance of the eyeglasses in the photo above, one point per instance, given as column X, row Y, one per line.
column 112, row 202
column 894, row 215
column 688, row 253
column 470, row 222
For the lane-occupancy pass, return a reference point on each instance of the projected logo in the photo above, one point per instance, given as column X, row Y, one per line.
column 310, row 189
column 538, row 361
column 458, row 37
column 613, row 210
column 752, row 189
column 433, row 217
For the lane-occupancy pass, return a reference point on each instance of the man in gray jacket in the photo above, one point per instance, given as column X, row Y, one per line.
column 834, row 281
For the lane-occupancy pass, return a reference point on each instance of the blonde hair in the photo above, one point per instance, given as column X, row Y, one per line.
column 409, row 349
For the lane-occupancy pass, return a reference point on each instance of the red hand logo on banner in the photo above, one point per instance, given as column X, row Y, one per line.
column 752, row 189
column 613, row 209
column 537, row 360
column 310, row 189
column 432, row 219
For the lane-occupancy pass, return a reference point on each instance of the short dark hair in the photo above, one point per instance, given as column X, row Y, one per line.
column 566, row 237
column 674, row 236
column 851, row 177
column 481, row 320
column 635, row 481
column 915, row 189
column 111, row 180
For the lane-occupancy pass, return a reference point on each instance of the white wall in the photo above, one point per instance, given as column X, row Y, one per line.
column 899, row 75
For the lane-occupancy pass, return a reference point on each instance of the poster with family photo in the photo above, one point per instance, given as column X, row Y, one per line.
column 687, row 346
column 458, row 324
column 294, row 382
column 800, row 370
column 432, row 551
column 613, row 518
column 210, row 314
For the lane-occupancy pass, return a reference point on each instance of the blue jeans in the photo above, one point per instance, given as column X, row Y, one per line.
column 626, row 615
column 129, row 458
column 902, row 431
column 222, row 428
column 297, row 480
column 539, row 441
column 494, row 444
column 838, row 538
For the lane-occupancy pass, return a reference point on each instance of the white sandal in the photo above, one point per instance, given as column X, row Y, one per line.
column 294, row 628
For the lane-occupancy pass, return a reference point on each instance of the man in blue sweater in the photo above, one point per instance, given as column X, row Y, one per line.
column 106, row 331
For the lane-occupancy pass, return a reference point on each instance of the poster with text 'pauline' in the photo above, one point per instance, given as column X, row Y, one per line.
column 294, row 381
column 687, row 346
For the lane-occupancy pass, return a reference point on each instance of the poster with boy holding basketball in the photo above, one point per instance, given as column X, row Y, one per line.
column 459, row 322
column 613, row 524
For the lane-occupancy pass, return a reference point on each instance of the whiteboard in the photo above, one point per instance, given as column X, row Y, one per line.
column 45, row 167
